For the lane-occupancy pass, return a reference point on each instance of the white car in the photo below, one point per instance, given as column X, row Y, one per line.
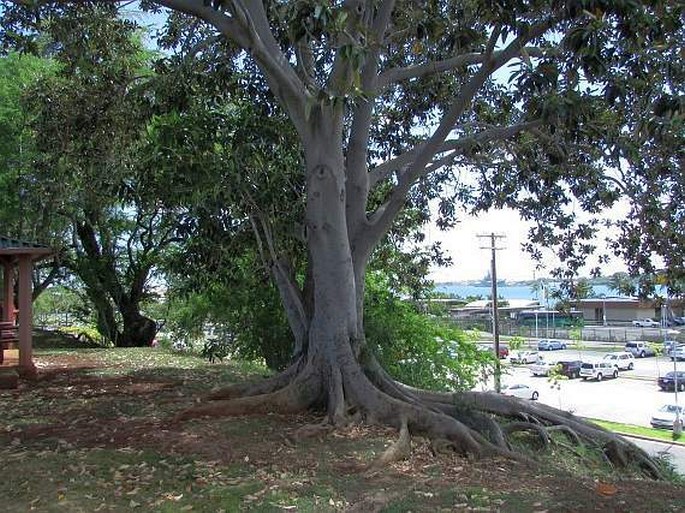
column 542, row 368
column 666, row 415
column 521, row 391
column 598, row 370
column 623, row 360
column 524, row 357
column 646, row 323
column 678, row 353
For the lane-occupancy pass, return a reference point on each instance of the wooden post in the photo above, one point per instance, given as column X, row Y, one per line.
column 8, row 293
column 25, row 316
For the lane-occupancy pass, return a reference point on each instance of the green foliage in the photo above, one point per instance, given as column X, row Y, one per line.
column 217, row 348
column 19, row 72
column 84, row 334
column 86, row 119
column 417, row 349
column 62, row 304
column 516, row 343
column 623, row 284
column 244, row 312
column 577, row 342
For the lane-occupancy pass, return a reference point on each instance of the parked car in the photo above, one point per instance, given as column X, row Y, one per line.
column 503, row 349
column 679, row 321
column 550, row 345
column 666, row 415
column 672, row 380
column 678, row 353
column 542, row 368
column 639, row 349
column 646, row 323
column 570, row 368
column 623, row 360
column 669, row 346
column 598, row 370
column 524, row 357
column 521, row 391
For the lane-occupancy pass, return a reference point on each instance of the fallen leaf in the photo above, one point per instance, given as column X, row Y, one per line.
column 605, row 489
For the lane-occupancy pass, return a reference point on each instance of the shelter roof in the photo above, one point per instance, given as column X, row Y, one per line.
column 10, row 246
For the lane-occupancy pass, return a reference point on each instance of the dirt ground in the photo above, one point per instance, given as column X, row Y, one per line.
column 81, row 402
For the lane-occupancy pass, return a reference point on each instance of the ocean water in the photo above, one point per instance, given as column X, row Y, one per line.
column 506, row 291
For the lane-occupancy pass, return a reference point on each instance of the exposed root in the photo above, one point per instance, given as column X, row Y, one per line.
column 540, row 431
column 336, row 400
column 616, row 454
column 297, row 397
column 483, row 424
column 570, row 433
column 265, row 386
column 547, row 415
column 311, row 431
column 467, row 423
column 573, row 450
column 399, row 450
column 442, row 446
column 621, row 454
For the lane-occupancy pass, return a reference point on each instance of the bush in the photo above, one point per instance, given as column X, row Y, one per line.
column 418, row 349
column 86, row 335
column 217, row 348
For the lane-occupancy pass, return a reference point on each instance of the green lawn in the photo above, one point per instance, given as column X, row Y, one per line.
column 629, row 429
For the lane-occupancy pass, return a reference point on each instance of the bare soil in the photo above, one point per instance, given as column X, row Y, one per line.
column 82, row 403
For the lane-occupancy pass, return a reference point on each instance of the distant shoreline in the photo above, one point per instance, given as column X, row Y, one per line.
column 506, row 290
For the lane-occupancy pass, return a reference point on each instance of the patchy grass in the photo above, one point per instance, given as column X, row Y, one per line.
column 94, row 433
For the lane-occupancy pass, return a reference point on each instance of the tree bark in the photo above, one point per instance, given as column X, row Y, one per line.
column 138, row 330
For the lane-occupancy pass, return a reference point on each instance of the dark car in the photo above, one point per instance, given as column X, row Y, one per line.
column 570, row 368
column 667, row 382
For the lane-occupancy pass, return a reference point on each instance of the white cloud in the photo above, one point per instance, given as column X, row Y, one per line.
column 470, row 262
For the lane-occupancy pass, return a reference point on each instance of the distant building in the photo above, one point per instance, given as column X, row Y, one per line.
column 623, row 309
column 483, row 308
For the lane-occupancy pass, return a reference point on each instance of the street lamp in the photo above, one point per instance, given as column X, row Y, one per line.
column 604, row 309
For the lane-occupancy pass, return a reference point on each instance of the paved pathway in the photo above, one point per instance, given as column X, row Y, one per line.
column 676, row 453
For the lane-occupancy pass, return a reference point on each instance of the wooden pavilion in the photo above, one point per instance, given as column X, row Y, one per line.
column 16, row 320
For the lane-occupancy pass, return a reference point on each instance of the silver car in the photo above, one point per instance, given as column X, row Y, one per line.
column 598, row 370
column 524, row 357
column 678, row 353
column 666, row 415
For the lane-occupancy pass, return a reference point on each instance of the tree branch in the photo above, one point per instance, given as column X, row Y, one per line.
column 283, row 278
column 394, row 75
column 384, row 217
column 357, row 151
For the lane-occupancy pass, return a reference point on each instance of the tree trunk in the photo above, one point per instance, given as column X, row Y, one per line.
column 334, row 320
column 138, row 330
column 106, row 320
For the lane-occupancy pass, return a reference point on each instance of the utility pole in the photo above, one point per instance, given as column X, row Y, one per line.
column 495, row 319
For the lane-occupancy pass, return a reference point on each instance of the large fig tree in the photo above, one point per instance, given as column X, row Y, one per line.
column 479, row 103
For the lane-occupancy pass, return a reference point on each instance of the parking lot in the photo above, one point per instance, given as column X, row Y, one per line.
column 631, row 399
